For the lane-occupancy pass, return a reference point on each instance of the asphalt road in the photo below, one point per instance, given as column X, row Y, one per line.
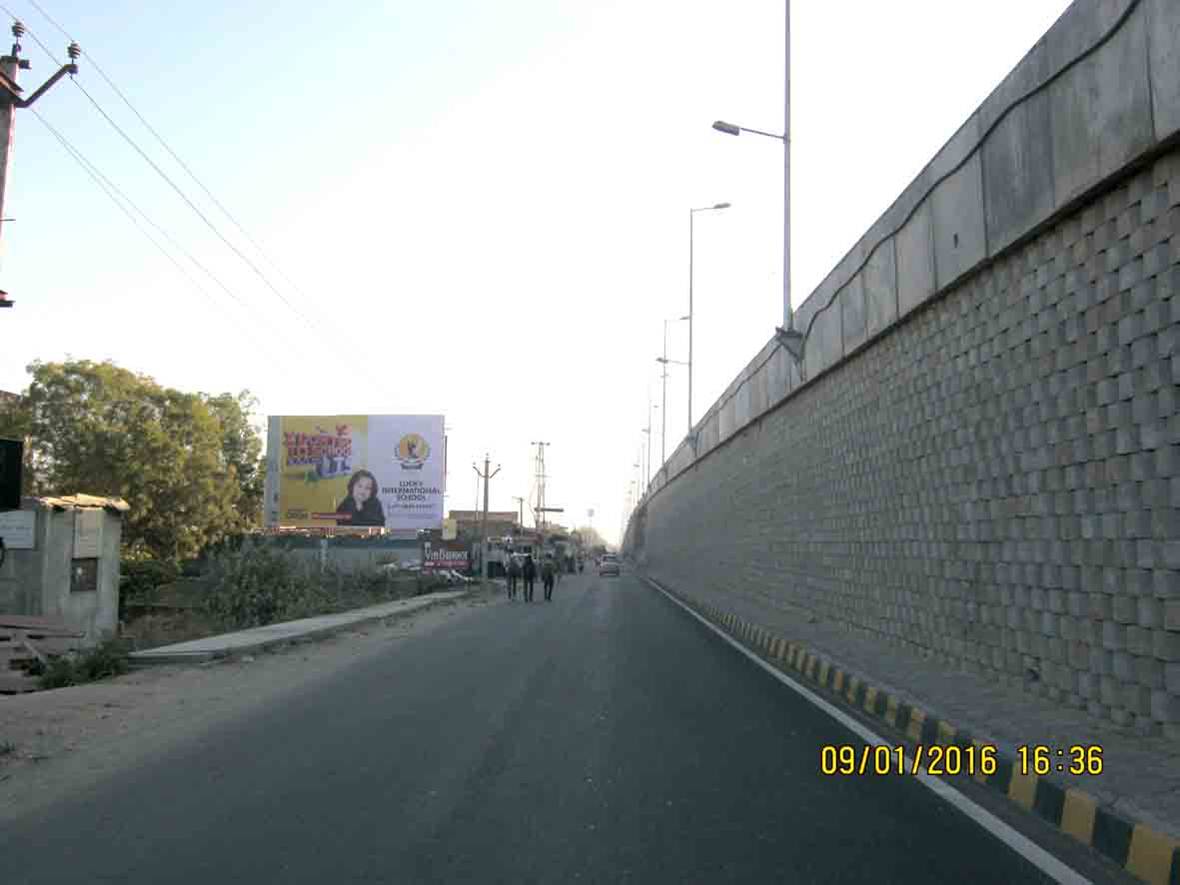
column 603, row 737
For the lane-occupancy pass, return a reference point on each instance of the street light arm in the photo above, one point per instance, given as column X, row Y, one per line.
column 731, row 129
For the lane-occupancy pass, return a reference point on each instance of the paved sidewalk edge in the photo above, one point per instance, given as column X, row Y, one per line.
column 1135, row 846
column 146, row 658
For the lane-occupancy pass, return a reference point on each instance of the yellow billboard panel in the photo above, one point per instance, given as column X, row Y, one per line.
column 355, row 471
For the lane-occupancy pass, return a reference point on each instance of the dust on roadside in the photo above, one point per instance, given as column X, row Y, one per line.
column 59, row 741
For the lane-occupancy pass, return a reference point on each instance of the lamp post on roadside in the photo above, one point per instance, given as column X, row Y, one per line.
column 785, row 138
column 691, row 213
column 664, row 401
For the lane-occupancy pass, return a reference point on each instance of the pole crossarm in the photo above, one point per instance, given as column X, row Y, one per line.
column 9, row 85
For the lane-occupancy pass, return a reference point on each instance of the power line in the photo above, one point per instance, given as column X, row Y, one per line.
column 175, row 156
column 118, row 197
column 108, row 186
column 164, row 175
column 204, row 188
column 254, row 267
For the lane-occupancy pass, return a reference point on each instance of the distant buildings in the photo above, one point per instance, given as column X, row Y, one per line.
column 500, row 522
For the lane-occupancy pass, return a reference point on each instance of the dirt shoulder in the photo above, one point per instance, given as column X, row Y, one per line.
column 70, row 739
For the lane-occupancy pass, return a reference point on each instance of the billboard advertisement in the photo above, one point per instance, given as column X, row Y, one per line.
column 355, row 471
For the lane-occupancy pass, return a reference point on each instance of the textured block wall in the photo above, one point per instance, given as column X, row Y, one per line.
column 996, row 481
column 979, row 453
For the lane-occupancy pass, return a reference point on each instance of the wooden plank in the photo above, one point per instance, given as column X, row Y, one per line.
column 25, row 621
column 16, row 681
column 33, row 628
column 56, row 645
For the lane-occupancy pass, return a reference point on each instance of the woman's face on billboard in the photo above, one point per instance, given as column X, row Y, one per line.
column 362, row 491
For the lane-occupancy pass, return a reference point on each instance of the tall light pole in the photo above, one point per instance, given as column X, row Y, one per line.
column 691, row 213
column 664, row 402
column 651, row 407
column 785, row 138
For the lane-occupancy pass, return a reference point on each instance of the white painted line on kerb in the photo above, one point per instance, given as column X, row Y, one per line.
column 1022, row 845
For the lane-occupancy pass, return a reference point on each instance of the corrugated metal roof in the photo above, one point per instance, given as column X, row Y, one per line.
column 85, row 502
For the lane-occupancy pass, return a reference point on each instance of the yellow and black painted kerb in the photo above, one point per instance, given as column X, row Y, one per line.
column 1138, row 848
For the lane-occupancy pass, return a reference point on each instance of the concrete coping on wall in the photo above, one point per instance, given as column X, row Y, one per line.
column 1106, row 73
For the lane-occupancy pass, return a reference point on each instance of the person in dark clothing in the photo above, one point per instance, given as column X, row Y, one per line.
column 513, row 575
column 548, row 575
column 530, row 577
column 361, row 507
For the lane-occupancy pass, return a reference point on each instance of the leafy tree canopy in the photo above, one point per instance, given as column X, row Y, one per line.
column 190, row 465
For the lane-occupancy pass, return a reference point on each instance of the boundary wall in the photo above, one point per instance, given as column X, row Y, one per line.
column 978, row 455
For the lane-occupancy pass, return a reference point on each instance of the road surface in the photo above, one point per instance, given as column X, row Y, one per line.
column 604, row 737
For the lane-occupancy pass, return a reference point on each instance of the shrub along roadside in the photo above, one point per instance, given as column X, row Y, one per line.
column 140, row 581
column 256, row 585
column 108, row 658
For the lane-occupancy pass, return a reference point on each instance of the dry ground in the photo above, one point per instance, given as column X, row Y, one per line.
column 69, row 739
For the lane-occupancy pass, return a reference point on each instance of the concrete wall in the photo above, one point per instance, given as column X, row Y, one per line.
column 37, row 582
column 979, row 455
column 349, row 554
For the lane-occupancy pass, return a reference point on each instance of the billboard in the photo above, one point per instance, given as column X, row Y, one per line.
column 355, row 471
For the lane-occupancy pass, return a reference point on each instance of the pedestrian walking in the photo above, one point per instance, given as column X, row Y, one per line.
column 529, row 571
column 513, row 575
column 548, row 575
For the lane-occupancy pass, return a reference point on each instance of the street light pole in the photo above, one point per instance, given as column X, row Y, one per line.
column 691, row 213
column 664, row 402
column 785, row 138
column 788, row 311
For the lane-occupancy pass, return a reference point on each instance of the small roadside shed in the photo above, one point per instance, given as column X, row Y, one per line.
column 61, row 562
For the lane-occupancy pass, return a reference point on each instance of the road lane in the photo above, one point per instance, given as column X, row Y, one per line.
column 605, row 736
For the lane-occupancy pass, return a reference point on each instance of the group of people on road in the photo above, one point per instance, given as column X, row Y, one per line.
column 526, row 570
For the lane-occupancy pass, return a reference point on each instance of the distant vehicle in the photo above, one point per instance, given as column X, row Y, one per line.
column 455, row 577
column 608, row 565
column 409, row 565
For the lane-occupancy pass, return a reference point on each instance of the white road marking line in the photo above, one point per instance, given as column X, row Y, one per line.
column 1022, row 845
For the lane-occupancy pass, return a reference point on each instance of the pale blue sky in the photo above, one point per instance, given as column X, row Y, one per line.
column 484, row 205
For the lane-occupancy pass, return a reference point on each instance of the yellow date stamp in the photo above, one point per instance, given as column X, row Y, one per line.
column 846, row 760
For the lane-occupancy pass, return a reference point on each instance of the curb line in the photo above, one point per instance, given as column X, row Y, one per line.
column 1135, row 846
column 149, row 660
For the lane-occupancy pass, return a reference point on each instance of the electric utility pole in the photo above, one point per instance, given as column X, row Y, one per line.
column 10, row 100
column 483, row 523
column 539, row 519
column 520, row 509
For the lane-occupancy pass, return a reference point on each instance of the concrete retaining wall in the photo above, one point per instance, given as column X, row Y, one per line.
column 979, row 455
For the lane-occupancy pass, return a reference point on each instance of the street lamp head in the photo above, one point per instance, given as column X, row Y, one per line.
column 727, row 128
column 722, row 205
column 687, row 316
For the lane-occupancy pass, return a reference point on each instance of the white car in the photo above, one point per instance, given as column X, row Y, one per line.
column 608, row 565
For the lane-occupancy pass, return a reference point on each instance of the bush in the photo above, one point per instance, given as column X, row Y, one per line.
column 107, row 659
column 140, row 581
column 258, row 585
column 253, row 586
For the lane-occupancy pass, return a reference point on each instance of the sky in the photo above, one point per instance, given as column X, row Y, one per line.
column 469, row 208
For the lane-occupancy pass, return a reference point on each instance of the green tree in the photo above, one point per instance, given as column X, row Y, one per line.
column 241, row 450
column 188, row 464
